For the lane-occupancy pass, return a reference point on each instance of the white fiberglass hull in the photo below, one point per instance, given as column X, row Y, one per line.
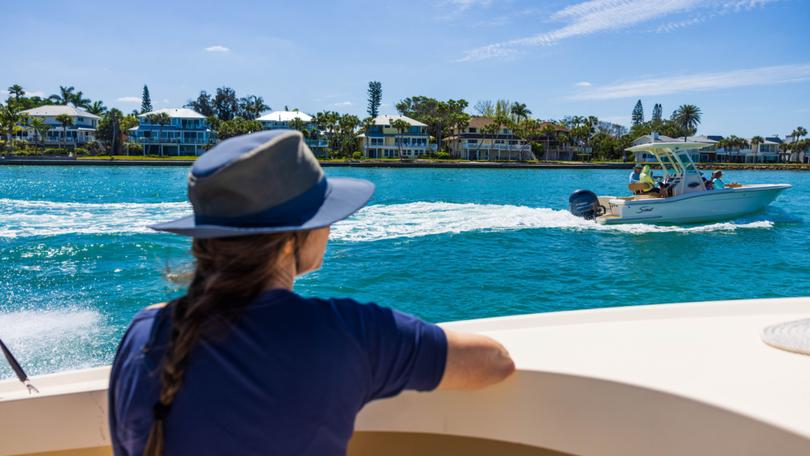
column 683, row 379
column 697, row 207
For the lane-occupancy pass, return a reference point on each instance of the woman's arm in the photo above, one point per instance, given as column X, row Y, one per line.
column 474, row 361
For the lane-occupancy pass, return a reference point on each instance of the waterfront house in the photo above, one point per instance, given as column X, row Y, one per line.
column 480, row 140
column 186, row 133
column 765, row 152
column 705, row 155
column 382, row 140
column 81, row 131
column 287, row 120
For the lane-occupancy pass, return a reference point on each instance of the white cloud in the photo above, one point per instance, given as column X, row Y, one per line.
column 129, row 99
column 218, row 49
column 770, row 75
column 594, row 16
column 342, row 104
column 466, row 4
column 583, row 84
column 165, row 100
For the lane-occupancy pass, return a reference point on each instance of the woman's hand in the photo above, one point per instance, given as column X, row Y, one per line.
column 474, row 361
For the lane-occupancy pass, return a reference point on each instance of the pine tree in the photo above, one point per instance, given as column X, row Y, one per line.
column 657, row 113
column 374, row 98
column 146, row 100
column 638, row 113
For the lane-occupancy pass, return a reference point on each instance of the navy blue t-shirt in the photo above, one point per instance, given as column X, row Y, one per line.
column 288, row 377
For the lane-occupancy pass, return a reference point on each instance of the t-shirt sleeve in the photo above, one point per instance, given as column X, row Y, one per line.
column 404, row 352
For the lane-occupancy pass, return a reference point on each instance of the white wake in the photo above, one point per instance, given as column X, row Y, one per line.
column 20, row 218
column 409, row 220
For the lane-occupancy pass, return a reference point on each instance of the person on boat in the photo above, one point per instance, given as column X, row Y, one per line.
column 240, row 363
column 635, row 175
column 717, row 181
column 647, row 179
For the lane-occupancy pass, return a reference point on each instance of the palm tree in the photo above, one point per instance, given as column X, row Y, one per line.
column 367, row 124
column 548, row 131
column 16, row 91
column 252, row 106
column 41, row 128
column 459, row 121
column 10, row 118
column 297, row 124
column 79, row 101
column 687, row 117
column 755, row 142
column 65, row 95
column 66, row 120
column 161, row 119
column 520, row 111
column 401, row 127
column 97, row 108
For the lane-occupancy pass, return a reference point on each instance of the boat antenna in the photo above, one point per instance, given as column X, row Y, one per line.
column 15, row 366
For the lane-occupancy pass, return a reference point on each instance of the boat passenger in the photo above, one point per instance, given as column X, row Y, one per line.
column 240, row 363
column 647, row 179
column 635, row 175
column 717, row 182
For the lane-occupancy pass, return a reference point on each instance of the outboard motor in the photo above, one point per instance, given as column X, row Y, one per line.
column 585, row 204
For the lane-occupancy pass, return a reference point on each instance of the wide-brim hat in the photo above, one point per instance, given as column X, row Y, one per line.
column 266, row 182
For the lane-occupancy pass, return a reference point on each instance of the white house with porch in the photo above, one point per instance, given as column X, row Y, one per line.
column 187, row 133
column 286, row 120
column 81, row 129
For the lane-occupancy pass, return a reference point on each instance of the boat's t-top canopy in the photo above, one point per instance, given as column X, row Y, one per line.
column 676, row 163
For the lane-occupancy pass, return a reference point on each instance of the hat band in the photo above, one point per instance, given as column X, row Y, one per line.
column 292, row 212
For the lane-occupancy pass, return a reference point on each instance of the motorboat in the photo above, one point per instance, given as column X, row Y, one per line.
column 669, row 379
column 684, row 197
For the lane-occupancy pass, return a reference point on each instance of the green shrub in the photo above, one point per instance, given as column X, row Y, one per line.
column 357, row 155
column 442, row 155
column 79, row 151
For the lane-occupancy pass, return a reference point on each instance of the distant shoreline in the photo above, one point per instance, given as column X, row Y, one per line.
column 59, row 161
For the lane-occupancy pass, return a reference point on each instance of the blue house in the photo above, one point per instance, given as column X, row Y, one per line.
column 187, row 133
column 283, row 120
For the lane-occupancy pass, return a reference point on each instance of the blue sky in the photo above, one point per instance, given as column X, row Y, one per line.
column 746, row 63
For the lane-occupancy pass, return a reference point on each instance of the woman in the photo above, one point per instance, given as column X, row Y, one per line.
column 241, row 364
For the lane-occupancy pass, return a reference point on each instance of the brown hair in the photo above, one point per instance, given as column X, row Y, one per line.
column 228, row 273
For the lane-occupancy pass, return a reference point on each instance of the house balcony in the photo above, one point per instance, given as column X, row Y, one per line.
column 317, row 143
column 500, row 147
column 182, row 141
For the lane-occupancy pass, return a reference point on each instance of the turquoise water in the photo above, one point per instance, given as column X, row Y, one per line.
column 77, row 261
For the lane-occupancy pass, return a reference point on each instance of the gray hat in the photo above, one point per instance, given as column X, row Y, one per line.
column 266, row 182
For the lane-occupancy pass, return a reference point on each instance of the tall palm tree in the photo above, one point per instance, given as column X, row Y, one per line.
column 368, row 122
column 16, row 91
column 520, row 111
column 252, row 106
column 755, row 142
column 66, row 120
column 65, row 95
column 401, row 127
column 687, row 117
column 460, row 121
column 161, row 119
column 97, row 108
column 41, row 128
column 79, row 101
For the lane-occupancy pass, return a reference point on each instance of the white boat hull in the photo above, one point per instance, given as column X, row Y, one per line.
column 684, row 379
column 697, row 207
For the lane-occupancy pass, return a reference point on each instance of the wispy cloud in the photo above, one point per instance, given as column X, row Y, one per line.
column 128, row 99
column 583, row 84
column 217, row 49
column 769, row 75
column 342, row 104
column 465, row 4
column 595, row 16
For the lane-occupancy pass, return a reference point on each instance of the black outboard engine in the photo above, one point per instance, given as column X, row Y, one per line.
column 585, row 204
